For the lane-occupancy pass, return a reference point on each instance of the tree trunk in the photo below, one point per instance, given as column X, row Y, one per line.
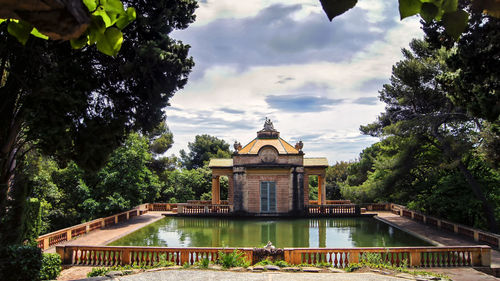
column 488, row 209
column 7, row 163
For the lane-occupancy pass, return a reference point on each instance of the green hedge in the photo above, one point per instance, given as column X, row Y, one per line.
column 20, row 263
column 51, row 266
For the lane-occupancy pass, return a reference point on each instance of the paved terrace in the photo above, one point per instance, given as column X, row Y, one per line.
column 104, row 236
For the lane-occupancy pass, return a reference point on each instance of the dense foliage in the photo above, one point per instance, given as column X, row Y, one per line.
column 202, row 149
column 51, row 266
column 430, row 156
column 134, row 174
column 20, row 263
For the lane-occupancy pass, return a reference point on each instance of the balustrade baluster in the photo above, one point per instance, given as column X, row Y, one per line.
column 335, row 261
column 468, row 258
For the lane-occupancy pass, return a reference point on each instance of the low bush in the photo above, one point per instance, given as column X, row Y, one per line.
column 376, row 260
column 280, row 263
column 98, row 271
column 233, row 259
column 203, row 263
column 51, row 266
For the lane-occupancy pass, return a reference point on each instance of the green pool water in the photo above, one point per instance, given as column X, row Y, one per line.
column 223, row 232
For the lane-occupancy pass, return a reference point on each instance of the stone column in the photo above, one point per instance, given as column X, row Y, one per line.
column 230, row 191
column 298, row 190
column 321, row 190
column 239, row 189
column 215, row 190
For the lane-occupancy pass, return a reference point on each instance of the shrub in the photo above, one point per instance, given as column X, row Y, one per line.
column 51, row 266
column 23, row 260
column 233, row 259
column 281, row 263
column 203, row 263
column 98, row 271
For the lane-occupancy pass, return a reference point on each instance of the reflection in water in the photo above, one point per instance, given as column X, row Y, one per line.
column 221, row 232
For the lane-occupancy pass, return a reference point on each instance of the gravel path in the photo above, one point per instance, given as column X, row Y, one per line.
column 207, row 275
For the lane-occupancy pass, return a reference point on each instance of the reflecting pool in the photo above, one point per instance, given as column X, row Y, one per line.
column 223, row 232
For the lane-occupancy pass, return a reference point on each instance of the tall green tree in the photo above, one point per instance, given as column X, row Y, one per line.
column 474, row 78
column 126, row 180
column 335, row 176
column 202, row 149
column 418, row 107
column 80, row 104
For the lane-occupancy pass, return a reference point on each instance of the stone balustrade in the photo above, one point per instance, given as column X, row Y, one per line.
column 50, row 239
column 333, row 210
column 335, row 257
column 472, row 233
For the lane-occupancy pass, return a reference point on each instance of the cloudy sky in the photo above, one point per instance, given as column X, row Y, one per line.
column 317, row 80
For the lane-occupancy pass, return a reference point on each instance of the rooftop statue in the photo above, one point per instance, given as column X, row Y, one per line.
column 268, row 125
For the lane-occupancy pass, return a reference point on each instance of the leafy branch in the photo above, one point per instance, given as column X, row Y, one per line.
column 107, row 20
column 454, row 19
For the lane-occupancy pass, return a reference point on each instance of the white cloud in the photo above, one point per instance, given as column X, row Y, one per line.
column 230, row 103
column 211, row 10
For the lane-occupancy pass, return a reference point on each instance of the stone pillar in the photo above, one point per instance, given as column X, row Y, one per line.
column 239, row 189
column 321, row 190
column 215, row 190
column 298, row 190
column 321, row 193
column 230, row 191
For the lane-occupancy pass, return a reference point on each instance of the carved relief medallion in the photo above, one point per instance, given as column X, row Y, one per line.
column 268, row 155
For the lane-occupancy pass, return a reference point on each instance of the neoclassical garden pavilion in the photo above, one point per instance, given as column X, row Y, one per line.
column 268, row 175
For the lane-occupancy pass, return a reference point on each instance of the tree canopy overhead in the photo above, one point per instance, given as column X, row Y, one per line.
column 79, row 104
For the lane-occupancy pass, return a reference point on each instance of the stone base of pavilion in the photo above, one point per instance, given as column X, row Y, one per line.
column 339, row 208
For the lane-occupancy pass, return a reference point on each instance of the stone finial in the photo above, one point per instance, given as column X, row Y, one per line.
column 269, row 246
column 268, row 125
column 299, row 146
column 237, row 146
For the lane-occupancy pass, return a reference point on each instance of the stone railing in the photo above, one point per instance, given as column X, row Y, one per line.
column 333, row 210
column 123, row 255
column 207, row 202
column 196, row 209
column 412, row 256
column 162, row 207
column 469, row 232
column 330, row 202
column 336, row 257
column 50, row 239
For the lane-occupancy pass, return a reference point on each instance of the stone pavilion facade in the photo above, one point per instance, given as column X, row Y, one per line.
column 268, row 176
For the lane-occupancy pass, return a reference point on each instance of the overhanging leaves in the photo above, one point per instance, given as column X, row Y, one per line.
column 111, row 42
column 409, row 8
column 455, row 23
column 334, row 8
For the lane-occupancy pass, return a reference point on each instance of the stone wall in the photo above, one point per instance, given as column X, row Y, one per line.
column 282, row 191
